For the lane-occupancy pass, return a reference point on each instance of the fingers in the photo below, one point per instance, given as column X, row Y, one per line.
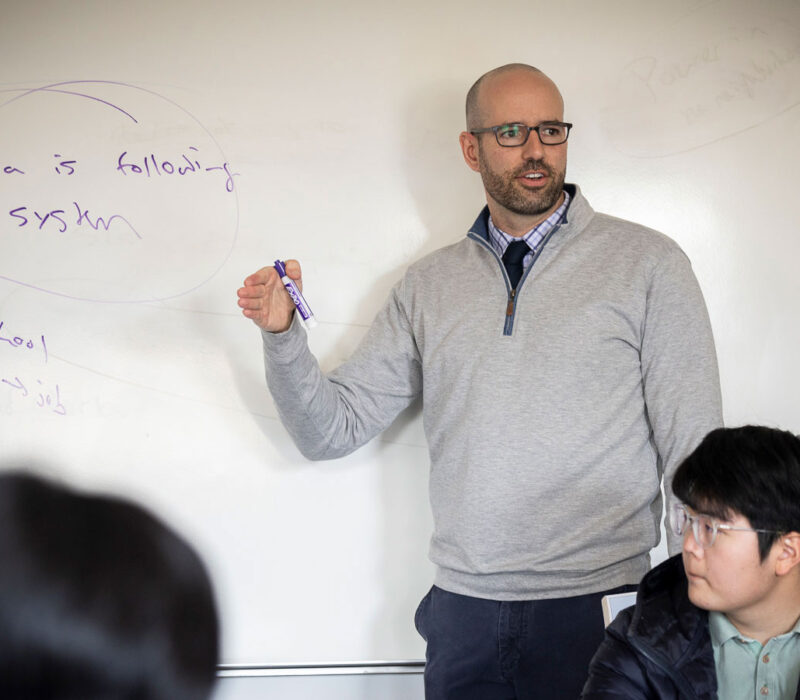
column 253, row 295
column 264, row 300
column 261, row 277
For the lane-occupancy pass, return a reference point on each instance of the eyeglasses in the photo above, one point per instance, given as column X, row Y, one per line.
column 509, row 135
column 704, row 527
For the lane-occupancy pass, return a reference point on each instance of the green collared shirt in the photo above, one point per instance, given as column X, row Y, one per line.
column 746, row 670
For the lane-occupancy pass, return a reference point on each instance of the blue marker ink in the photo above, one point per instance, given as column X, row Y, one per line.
column 303, row 308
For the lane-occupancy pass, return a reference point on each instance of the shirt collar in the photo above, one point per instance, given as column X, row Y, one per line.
column 723, row 630
column 500, row 239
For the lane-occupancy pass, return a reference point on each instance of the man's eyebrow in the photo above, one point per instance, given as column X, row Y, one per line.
column 524, row 123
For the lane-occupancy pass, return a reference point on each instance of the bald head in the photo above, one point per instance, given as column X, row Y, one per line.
column 476, row 107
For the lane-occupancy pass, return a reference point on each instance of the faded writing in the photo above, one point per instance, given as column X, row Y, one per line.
column 49, row 399
column 654, row 75
column 717, row 81
column 35, row 390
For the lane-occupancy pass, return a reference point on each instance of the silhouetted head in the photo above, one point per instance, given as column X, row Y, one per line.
column 98, row 600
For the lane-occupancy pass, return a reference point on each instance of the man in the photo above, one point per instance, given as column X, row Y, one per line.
column 723, row 620
column 98, row 600
column 557, row 385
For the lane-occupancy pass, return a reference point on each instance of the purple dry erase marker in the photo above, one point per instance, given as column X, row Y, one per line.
column 303, row 308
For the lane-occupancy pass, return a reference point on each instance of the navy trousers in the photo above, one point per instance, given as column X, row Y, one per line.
column 493, row 650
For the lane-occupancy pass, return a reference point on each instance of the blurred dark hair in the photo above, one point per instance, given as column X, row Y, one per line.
column 98, row 599
column 751, row 471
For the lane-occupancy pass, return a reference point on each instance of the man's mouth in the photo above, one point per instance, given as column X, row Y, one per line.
column 533, row 172
column 533, row 179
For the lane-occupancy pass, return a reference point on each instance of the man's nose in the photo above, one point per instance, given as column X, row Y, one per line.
column 533, row 148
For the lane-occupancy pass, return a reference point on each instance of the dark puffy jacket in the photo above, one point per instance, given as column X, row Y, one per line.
column 660, row 648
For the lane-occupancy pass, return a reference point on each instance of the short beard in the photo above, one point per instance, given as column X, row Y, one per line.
column 504, row 190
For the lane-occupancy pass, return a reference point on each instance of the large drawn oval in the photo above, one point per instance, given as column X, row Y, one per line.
column 111, row 192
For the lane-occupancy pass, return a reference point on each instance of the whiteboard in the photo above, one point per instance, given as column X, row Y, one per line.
column 154, row 154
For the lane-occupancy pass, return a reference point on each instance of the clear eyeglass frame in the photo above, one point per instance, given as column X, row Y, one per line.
column 516, row 134
column 704, row 527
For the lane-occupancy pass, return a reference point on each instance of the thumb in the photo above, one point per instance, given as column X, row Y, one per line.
column 293, row 270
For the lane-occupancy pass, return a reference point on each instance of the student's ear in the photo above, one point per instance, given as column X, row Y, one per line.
column 788, row 553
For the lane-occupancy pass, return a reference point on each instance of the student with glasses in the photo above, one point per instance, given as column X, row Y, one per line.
column 564, row 359
column 722, row 620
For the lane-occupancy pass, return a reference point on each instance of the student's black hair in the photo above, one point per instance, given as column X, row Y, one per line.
column 98, row 600
column 752, row 471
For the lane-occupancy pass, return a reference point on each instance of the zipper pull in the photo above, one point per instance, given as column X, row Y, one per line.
column 510, row 307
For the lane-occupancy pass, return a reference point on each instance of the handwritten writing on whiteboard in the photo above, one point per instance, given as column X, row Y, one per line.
column 111, row 192
column 151, row 166
column 36, row 392
column 15, row 341
column 17, row 370
column 689, row 88
column 58, row 219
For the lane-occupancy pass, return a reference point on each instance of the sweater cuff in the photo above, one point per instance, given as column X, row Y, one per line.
column 285, row 347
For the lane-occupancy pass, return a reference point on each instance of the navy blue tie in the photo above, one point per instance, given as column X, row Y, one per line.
column 512, row 259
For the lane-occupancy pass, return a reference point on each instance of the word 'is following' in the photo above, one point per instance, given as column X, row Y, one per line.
column 147, row 166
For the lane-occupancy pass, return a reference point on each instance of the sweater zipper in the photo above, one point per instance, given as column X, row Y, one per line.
column 511, row 299
column 512, row 293
column 510, row 308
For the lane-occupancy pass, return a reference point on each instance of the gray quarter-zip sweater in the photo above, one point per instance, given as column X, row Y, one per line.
column 550, row 416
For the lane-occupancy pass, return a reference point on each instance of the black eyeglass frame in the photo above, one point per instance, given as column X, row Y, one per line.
column 528, row 129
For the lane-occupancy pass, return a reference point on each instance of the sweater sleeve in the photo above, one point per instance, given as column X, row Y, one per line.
column 331, row 416
column 679, row 368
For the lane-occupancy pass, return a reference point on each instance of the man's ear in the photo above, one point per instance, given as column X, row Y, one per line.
column 788, row 553
column 469, row 147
